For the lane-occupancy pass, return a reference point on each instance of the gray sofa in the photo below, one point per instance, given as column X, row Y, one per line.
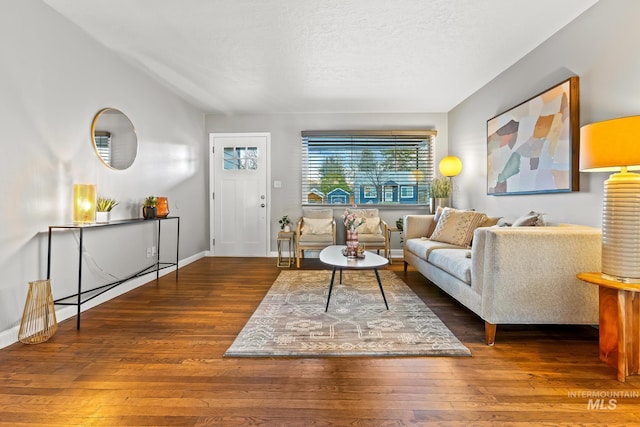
column 512, row 275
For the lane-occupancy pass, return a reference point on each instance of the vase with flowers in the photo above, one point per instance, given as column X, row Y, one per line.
column 352, row 221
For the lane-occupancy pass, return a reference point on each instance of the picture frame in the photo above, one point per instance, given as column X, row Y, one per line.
column 533, row 147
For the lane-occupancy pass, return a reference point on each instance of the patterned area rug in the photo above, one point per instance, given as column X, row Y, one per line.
column 291, row 320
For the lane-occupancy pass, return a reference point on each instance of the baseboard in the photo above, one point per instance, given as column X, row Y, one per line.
column 397, row 253
column 10, row 336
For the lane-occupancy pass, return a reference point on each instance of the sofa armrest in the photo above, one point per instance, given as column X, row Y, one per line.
column 415, row 226
column 528, row 274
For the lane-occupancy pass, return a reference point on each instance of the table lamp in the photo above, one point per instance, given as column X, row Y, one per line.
column 614, row 146
column 450, row 166
column 84, row 203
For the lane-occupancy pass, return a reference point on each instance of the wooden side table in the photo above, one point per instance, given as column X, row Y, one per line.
column 285, row 238
column 619, row 315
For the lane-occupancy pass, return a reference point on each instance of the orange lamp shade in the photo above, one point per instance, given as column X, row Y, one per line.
column 84, row 203
column 610, row 145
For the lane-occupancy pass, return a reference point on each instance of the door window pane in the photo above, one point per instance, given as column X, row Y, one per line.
column 240, row 158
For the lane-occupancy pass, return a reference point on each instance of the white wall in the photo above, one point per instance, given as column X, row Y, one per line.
column 53, row 80
column 286, row 149
column 600, row 47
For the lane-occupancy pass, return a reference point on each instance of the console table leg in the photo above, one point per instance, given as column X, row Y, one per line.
column 158, row 253
column 80, row 249
column 177, row 246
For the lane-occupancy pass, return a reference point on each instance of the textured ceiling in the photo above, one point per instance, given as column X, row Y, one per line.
column 261, row 56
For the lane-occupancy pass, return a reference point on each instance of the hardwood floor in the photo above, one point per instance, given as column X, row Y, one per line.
column 154, row 357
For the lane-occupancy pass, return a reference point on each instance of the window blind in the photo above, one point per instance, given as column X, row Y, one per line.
column 103, row 145
column 367, row 167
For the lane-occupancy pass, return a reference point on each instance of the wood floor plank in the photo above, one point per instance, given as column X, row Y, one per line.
column 154, row 356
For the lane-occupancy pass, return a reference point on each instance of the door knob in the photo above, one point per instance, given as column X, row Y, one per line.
column 262, row 205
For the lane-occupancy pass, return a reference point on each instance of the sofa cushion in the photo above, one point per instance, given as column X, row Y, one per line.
column 436, row 218
column 457, row 227
column 376, row 239
column 453, row 261
column 531, row 219
column 490, row 221
column 316, row 225
column 320, row 240
column 371, row 226
column 422, row 247
column 365, row 213
column 317, row 213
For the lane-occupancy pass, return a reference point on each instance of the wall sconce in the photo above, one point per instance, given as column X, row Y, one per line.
column 450, row 166
column 84, row 203
column 614, row 146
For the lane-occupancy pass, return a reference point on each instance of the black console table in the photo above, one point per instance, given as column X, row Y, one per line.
column 81, row 296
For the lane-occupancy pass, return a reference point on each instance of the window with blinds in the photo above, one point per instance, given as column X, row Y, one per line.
column 367, row 167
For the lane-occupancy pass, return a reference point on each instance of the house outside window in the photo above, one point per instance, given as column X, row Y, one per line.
column 367, row 167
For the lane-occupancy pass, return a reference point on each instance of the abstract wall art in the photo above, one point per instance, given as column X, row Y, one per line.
column 533, row 147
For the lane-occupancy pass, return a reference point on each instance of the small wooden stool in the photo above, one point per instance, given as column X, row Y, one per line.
column 39, row 317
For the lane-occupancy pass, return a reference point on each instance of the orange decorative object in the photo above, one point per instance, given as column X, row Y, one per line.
column 162, row 207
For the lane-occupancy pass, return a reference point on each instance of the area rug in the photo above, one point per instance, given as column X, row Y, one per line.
column 291, row 319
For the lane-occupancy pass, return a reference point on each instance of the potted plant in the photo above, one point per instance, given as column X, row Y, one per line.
column 103, row 209
column 440, row 191
column 285, row 223
column 149, row 207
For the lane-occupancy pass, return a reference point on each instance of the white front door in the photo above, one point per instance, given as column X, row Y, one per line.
column 239, row 171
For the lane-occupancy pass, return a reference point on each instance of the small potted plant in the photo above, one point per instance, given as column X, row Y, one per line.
column 103, row 209
column 149, row 207
column 285, row 223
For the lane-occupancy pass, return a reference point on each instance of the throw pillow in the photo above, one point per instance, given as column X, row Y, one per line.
column 456, row 227
column 436, row 218
column 531, row 219
column 316, row 225
column 371, row 226
column 489, row 222
column 504, row 222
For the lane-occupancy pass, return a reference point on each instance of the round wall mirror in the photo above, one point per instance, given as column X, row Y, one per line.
column 114, row 138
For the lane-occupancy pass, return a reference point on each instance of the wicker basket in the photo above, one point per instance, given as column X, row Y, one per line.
column 39, row 317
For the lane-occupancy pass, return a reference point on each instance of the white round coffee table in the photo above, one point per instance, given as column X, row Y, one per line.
column 332, row 255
